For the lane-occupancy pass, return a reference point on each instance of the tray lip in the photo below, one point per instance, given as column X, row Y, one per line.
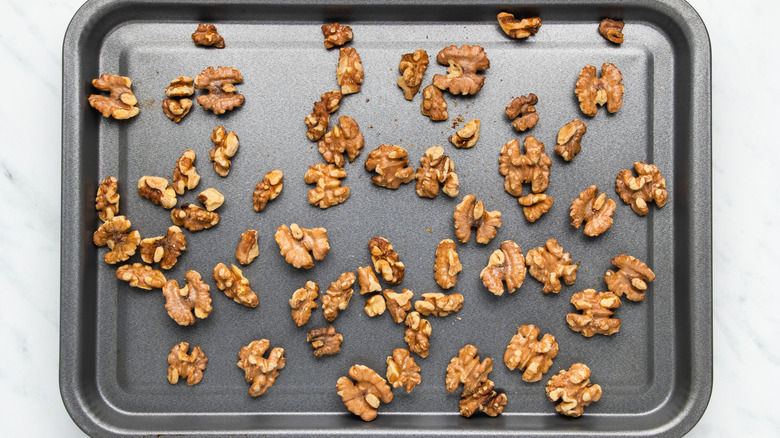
column 86, row 415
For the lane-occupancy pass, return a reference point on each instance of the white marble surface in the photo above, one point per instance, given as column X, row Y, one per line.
column 745, row 196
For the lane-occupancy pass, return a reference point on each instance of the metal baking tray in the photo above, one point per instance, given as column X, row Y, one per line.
column 656, row 372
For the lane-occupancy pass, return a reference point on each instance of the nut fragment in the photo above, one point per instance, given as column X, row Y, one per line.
column 367, row 280
column 182, row 86
column 417, row 334
column 303, row 301
column 506, row 265
column 120, row 104
column 337, row 296
column 375, row 306
column 178, row 106
column 295, row 243
column 344, row 137
column 349, row 72
column 185, row 176
column 385, row 260
column 267, row 190
column 549, row 264
column 363, row 396
column 328, row 191
column 398, row 304
column 235, row 285
column 631, row 278
column 569, row 139
column 464, row 63
column 402, row 370
column 597, row 309
column 612, row 30
column 107, row 199
column 141, row 276
column 533, row 167
column 206, row 35
column 225, row 147
column 472, row 214
column 535, row 205
column 438, row 304
column 522, row 112
column 336, row 35
column 433, row 104
column 261, row 372
column 466, row 136
column 592, row 90
column 121, row 242
column 648, row 186
column 485, row 399
column 478, row 390
column 189, row 366
column 194, row 296
column 247, row 249
column 573, row 389
column 391, row 166
column 325, row 341
column 529, row 354
column 412, row 68
column 194, row 218
column 157, row 190
column 211, row 199
column 437, row 169
column 518, row 28
column 176, row 109
column 317, row 122
column 447, row 264
column 164, row 250
column 595, row 211
column 222, row 93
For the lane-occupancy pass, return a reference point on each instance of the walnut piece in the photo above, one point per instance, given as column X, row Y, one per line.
column 532, row 356
column 194, row 296
column 344, row 137
column 121, row 242
column 107, row 199
column 631, row 278
column 549, row 264
column 402, row 370
column 464, row 63
column 222, row 93
column 485, row 399
column 247, row 249
column 518, row 28
column 472, row 214
column 225, row 147
column 398, row 304
column 182, row 86
column 120, row 104
column 533, row 167
column 375, row 306
column 325, row 341
column 522, row 112
column 336, row 35
column 535, row 205
column 206, row 35
column 573, row 389
column 506, row 265
column 612, row 30
column 303, row 301
column 367, row 280
column 211, row 199
column 595, row 211
column 437, row 169
column 569, row 139
column 189, row 366
column 597, row 309
column 467, row 136
column 438, row 304
column 478, row 390
column 417, row 334
column 267, row 190
column 433, row 104
column 337, row 297
column 178, row 105
column 185, row 176
column 164, row 250
column 157, row 190
column 412, row 68
column 141, row 276
column 349, row 72
column 648, row 186
column 592, row 90
column 447, row 264
column 362, row 397
column 385, row 260
column 235, row 285
column 295, row 243
column 261, row 372
column 317, row 122
column 194, row 218
column 328, row 191
column 391, row 166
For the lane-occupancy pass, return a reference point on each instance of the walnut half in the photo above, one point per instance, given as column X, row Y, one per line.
column 337, row 297
column 115, row 233
column 157, row 190
column 186, row 365
column 464, row 63
column 433, row 104
column 267, row 190
column 206, row 35
column 303, row 301
column 574, row 390
column 344, row 137
column 522, row 112
column 570, row 138
column 336, row 35
column 194, row 298
column 418, row 334
column 532, row 167
column 328, row 191
column 325, row 341
column 506, row 265
column 529, row 354
column 592, row 90
column 295, row 243
column 438, row 304
column 549, row 264
column 385, row 259
column 317, row 122
column 222, row 93
column 518, row 28
column 535, row 205
column 595, row 211
column 437, row 170
column 235, row 285
column 260, row 371
column 402, row 370
column 363, row 396
column 141, row 276
column 597, row 311
column 412, row 68
column 391, row 165
column 471, row 213
column 107, row 199
column 631, row 278
column 120, row 104
column 447, row 264
column 648, row 186
column 225, row 147
column 194, row 218
column 349, row 72
column 164, row 250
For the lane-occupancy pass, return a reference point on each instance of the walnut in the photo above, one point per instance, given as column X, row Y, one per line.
column 592, row 90
column 417, row 334
column 437, row 169
column 182, row 364
column 535, row 205
column 267, row 190
column 318, row 120
column 344, row 137
column 325, row 341
column 402, row 370
column 121, row 242
column 385, row 260
column 518, row 28
column 367, row 280
column 164, row 250
column 336, row 35
column 220, row 83
column 573, row 389
column 472, row 214
column 157, row 190
column 612, row 30
column 549, row 263
column 141, row 276
column 295, row 243
column 467, row 136
column 447, row 264
column 362, row 397
column 349, row 72
column 225, row 147
column 631, row 278
column 506, row 265
column 337, row 296
column 235, row 285
column 328, row 191
column 597, row 309
column 120, row 104
column 176, row 109
column 464, row 63
column 178, row 106
column 438, row 304
column 398, row 304
column 261, row 372
column 194, row 218
column 467, row 369
column 523, row 107
column 433, row 104
column 391, row 166
column 569, row 138
column 375, row 306
column 211, row 199
column 185, row 176
column 107, row 199
column 247, row 249
column 533, row 167
column 529, row 354
column 595, row 211
column 412, row 68
column 206, row 35
column 647, row 186
column 182, row 86
column 486, row 399
column 303, row 301
column 194, row 296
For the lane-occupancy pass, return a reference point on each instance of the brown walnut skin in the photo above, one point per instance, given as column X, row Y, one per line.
column 612, row 30
column 535, row 205
column 222, row 93
column 303, row 301
column 391, row 165
column 549, row 264
column 519, row 29
column 349, row 72
column 593, row 91
column 529, row 354
column 261, row 372
column 120, row 104
column 363, row 397
column 631, row 278
column 157, row 190
column 595, row 211
column 107, row 199
column 464, row 63
column 471, row 213
column 325, row 341
column 648, row 186
column 506, row 265
column 336, row 35
column 533, row 167
column 447, row 264
column 522, row 112
column 398, row 304
column 385, row 259
column 597, row 311
column 182, row 364
column 206, row 35
column 573, row 388
column 295, row 243
column 569, row 139
column 402, row 370
column 412, row 68
column 433, row 104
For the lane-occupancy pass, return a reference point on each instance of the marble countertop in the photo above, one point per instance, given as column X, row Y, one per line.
column 745, row 217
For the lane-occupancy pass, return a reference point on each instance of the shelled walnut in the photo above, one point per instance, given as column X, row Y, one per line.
column 235, row 285
column 533, row 167
column 549, row 264
column 595, row 211
column 367, row 280
column 211, row 199
column 592, row 90
column 182, row 86
column 529, row 354
column 260, row 371
column 437, row 170
column 120, row 103
column 478, row 390
column 176, row 109
column 362, row 397
column 385, row 259
column 107, row 199
column 570, row 138
column 325, row 341
column 193, row 297
column 164, row 250
column 141, row 276
column 438, row 304
column 225, row 147
column 186, row 365
column 648, row 186
column 522, row 112
column 375, row 306
column 337, row 297
column 433, row 104
column 303, row 301
column 391, row 165
column 467, row 136
column 317, row 122
column 464, row 63
column 121, row 242
column 336, row 35
column 573, row 389
column 222, row 93
column 535, row 205
column 485, row 399
column 398, row 303
column 328, row 191
column 612, row 30
column 185, row 176
column 447, row 264
column 597, row 311
column 417, row 334
column 194, row 218
column 506, row 265
column 344, row 137
column 631, row 278
column 267, row 190
column 178, row 104
column 157, row 190
column 518, row 28
column 349, row 73
column 402, row 370
column 472, row 214
column 295, row 243
column 412, row 68
column 247, row 249
column 206, row 35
